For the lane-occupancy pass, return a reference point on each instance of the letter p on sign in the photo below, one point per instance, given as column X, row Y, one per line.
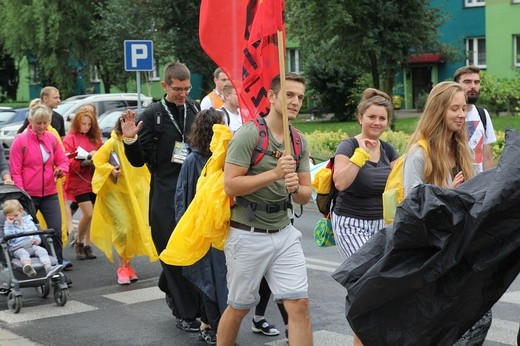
column 138, row 55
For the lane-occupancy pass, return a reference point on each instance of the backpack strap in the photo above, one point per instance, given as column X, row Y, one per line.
column 157, row 132
column 483, row 118
column 262, row 144
column 270, row 208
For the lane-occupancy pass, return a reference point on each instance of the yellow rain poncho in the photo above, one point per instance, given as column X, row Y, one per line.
column 206, row 221
column 120, row 217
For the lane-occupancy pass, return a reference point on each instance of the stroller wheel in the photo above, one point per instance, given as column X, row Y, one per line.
column 61, row 295
column 14, row 303
column 44, row 289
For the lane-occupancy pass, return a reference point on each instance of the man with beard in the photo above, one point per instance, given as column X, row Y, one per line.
column 478, row 122
column 480, row 136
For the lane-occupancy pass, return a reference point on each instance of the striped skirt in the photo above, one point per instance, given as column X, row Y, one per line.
column 350, row 234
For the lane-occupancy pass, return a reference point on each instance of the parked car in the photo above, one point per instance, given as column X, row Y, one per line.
column 69, row 107
column 10, row 115
column 10, row 122
column 102, row 102
column 107, row 121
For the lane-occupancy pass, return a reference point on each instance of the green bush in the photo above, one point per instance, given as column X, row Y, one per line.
column 323, row 144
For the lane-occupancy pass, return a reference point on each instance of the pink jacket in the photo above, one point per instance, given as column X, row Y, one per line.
column 79, row 180
column 28, row 170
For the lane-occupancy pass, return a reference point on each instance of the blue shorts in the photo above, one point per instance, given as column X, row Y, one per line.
column 278, row 256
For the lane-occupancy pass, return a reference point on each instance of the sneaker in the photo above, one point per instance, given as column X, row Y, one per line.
column 208, row 335
column 188, row 326
column 29, row 270
column 131, row 273
column 67, row 265
column 122, row 276
column 263, row 327
column 53, row 270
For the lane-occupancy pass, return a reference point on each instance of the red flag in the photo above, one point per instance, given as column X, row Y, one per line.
column 240, row 36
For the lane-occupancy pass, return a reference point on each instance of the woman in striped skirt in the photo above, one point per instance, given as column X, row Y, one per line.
column 361, row 166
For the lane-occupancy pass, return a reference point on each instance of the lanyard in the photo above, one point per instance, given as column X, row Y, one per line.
column 173, row 120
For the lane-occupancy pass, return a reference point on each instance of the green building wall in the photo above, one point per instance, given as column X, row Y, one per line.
column 502, row 22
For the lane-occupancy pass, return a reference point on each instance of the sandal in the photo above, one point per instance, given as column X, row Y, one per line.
column 263, row 327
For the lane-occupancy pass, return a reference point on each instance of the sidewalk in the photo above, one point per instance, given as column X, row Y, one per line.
column 10, row 339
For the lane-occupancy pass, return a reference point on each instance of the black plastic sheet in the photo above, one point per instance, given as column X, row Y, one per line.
column 448, row 257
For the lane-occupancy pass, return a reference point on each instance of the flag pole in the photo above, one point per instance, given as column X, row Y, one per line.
column 285, row 118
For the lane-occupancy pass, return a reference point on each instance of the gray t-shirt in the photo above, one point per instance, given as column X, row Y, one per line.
column 413, row 170
column 362, row 199
column 239, row 152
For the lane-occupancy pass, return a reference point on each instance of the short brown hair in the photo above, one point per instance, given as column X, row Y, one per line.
column 464, row 70
column 227, row 88
column 176, row 70
column 217, row 72
column 275, row 84
column 46, row 91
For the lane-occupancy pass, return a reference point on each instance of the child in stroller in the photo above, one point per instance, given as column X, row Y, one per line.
column 12, row 276
column 25, row 246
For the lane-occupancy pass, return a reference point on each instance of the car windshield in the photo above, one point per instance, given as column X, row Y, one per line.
column 6, row 116
column 108, row 120
column 65, row 106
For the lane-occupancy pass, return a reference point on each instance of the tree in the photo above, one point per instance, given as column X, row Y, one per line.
column 54, row 32
column 8, row 76
column 375, row 36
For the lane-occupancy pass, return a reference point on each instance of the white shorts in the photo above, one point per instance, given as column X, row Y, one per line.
column 277, row 256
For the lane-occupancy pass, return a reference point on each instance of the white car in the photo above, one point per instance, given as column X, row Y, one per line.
column 102, row 102
column 69, row 108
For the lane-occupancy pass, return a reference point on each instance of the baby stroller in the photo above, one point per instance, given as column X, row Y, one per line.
column 12, row 278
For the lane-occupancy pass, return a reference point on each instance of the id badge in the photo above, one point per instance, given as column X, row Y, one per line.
column 180, row 151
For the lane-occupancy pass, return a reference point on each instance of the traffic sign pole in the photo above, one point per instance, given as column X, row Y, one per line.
column 138, row 57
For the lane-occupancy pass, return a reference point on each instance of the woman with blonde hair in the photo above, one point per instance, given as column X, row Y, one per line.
column 446, row 161
column 84, row 134
column 36, row 161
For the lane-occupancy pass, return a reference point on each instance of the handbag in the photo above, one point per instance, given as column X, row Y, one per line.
column 323, row 234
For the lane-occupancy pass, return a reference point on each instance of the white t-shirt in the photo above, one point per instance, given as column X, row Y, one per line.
column 235, row 120
column 206, row 102
column 476, row 135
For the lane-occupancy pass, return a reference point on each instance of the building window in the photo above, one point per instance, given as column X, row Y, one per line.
column 153, row 75
column 94, row 75
column 474, row 3
column 293, row 60
column 34, row 74
column 516, row 45
column 476, row 51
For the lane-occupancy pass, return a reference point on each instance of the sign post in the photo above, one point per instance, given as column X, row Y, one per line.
column 138, row 57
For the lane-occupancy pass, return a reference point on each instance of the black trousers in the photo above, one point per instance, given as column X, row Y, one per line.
column 183, row 298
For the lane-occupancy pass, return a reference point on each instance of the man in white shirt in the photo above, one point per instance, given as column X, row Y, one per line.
column 231, row 109
column 215, row 98
column 478, row 122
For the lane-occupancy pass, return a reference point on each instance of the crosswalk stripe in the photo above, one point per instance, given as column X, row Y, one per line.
column 137, row 296
column 512, row 297
column 322, row 338
column 503, row 331
column 319, row 261
column 322, row 268
column 32, row 313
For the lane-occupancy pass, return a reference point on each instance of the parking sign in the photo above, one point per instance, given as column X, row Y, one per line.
column 138, row 55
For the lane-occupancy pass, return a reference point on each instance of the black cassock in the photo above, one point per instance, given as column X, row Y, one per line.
column 448, row 257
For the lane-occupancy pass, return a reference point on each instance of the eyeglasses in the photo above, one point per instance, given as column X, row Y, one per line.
column 179, row 90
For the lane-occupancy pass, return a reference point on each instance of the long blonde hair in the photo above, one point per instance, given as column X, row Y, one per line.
column 443, row 144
